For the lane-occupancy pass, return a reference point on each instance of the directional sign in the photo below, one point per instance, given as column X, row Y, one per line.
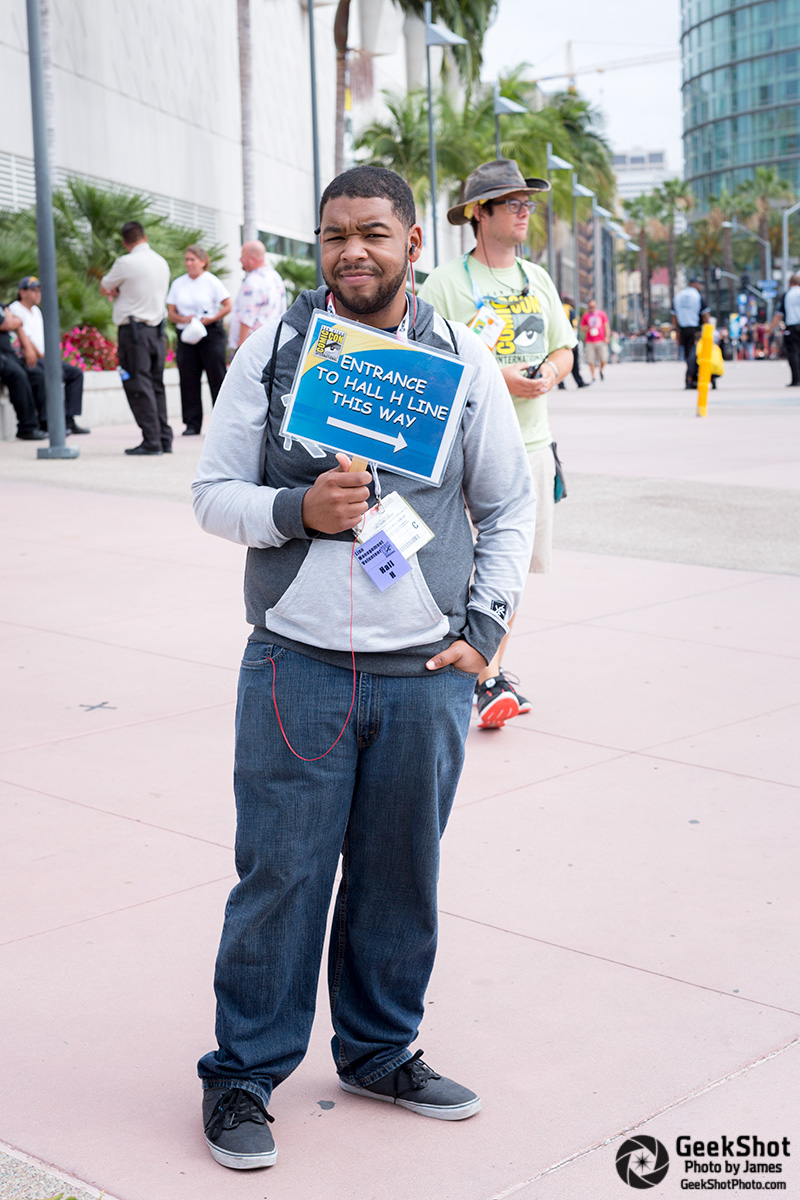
column 369, row 394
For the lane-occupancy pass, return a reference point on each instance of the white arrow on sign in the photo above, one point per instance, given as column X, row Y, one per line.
column 398, row 441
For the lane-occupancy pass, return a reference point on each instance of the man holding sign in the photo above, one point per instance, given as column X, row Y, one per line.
column 372, row 615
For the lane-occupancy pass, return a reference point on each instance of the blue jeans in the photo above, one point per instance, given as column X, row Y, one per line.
column 381, row 799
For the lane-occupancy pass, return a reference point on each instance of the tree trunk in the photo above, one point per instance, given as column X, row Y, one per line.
column 644, row 276
column 727, row 253
column 246, row 92
column 763, row 232
column 341, row 26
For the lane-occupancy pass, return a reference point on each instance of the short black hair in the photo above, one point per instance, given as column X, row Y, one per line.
column 131, row 232
column 369, row 181
column 488, row 207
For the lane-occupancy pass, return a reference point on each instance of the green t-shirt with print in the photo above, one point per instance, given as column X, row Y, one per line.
column 536, row 323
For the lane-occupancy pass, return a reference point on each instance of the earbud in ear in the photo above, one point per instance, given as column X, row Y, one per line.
column 412, row 251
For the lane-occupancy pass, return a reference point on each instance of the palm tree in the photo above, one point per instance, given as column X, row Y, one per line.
column 400, row 141
column 699, row 247
column 87, row 221
column 466, row 138
column 676, row 196
column 765, row 186
column 589, row 149
column 645, row 213
column 468, row 18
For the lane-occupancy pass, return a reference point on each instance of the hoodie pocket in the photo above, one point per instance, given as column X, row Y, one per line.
column 315, row 608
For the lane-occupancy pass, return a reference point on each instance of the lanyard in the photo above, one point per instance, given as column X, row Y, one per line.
column 476, row 295
column 401, row 333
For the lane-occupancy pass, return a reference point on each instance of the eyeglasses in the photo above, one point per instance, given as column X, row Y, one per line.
column 516, row 206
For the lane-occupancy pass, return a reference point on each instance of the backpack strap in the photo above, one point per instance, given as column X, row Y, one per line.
column 268, row 374
column 268, row 379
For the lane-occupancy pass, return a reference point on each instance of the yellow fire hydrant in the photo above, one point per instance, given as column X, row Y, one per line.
column 704, row 368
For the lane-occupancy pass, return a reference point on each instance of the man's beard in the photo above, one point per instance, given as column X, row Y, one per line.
column 382, row 298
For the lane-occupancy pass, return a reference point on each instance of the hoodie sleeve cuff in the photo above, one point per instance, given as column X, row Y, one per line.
column 287, row 513
column 483, row 633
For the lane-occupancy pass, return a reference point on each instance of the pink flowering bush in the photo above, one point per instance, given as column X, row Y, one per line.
column 85, row 347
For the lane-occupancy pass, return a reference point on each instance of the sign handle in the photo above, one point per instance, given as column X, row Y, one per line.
column 359, row 464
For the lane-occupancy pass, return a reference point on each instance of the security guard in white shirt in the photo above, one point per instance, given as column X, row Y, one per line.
column 689, row 312
column 137, row 284
column 788, row 311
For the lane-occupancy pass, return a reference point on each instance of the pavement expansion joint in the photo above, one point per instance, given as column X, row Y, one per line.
column 113, row 912
column 71, row 737
column 110, row 812
column 677, row 1102
column 717, row 770
column 616, row 962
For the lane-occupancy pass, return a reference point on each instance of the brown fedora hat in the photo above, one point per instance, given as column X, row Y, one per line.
column 490, row 181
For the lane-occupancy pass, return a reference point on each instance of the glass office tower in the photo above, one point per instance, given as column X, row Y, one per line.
column 741, row 91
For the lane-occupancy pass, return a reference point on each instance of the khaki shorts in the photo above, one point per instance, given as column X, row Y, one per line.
column 543, row 470
column 596, row 353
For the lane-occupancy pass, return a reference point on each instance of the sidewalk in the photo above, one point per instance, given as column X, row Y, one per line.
column 619, row 892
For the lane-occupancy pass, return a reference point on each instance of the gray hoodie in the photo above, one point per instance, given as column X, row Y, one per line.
column 297, row 586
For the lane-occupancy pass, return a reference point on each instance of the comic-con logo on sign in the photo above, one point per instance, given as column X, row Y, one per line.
column 329, row 344
column 642, row 1161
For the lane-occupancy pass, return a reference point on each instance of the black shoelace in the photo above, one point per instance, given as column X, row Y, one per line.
column 234, row 1107
column 419, row 1074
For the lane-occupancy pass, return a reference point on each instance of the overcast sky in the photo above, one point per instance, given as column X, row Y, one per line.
column 641, row 104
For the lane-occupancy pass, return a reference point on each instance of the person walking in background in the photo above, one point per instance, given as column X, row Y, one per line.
column 514, row 307
column 26, row 307
column 689, row 312
column 596, row 333
column 137, row 284
column 15, row 378
column 788, row 312
column 651, row 337
column 261, row 297
column 198, row 296
column 572, row 317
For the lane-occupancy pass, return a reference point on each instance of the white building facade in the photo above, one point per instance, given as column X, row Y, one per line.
column 147, row 98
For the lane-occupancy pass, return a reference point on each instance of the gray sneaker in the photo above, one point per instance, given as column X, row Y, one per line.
column 237, row 1132
column 414, row 1085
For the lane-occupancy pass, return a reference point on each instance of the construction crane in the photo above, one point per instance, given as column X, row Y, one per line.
column 601, row 68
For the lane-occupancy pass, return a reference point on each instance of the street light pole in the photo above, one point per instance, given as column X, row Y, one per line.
column 314, row 136
column 45, row 236
column 502, row 105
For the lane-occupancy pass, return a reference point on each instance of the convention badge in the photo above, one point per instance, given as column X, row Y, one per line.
column 488, row 325
column 394, row 516
column 382, row 561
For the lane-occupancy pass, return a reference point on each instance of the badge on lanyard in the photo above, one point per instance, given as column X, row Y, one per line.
column 488, row 325
column 382, row 561
column 394, row 516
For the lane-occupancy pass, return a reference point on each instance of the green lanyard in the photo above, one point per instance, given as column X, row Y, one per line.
column 476, row 295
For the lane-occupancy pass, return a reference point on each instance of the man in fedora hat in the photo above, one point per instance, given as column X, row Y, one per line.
column 515, row 309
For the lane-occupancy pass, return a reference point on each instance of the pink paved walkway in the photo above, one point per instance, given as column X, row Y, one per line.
column 619, row 892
